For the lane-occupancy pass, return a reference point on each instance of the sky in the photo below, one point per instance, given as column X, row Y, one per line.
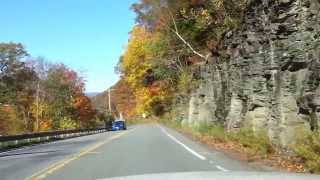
column 87, row 35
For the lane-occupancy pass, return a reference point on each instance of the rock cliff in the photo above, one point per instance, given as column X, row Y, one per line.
column 266, row 74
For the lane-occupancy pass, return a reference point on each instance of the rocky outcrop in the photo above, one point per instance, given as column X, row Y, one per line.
column 267, row 73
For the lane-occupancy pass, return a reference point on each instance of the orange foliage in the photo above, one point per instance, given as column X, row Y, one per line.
column 85, row 111
column 157, row 88
column 45, row 125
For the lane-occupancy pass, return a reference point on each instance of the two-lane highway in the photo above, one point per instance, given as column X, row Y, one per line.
column 143, row 149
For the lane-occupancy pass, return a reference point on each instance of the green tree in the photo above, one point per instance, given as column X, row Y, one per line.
column 16, row 81
column 59, row 95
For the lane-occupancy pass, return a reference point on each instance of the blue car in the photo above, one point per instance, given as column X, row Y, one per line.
column 119, row 125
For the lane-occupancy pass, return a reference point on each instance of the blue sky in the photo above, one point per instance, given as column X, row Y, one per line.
column 87, row 35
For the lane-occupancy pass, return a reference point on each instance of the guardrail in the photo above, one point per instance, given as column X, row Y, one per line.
column 31, row 138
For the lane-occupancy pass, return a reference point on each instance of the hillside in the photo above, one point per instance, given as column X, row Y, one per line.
column 122, row 100
column 92, row 94
column 247, row 65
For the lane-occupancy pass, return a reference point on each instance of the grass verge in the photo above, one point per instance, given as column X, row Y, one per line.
column 253, row 147
column 308, row 149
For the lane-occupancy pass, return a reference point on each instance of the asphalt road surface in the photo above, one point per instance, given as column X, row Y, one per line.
column 142, row 149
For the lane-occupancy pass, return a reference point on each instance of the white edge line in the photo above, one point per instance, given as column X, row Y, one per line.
column 183, row 145
column 222, row 168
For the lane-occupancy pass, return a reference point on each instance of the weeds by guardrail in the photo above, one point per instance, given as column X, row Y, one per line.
column 13, row 141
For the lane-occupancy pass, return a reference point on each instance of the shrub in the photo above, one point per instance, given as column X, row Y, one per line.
column 184, row 81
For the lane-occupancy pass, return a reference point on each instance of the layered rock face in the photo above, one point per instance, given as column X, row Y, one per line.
column 267, row 73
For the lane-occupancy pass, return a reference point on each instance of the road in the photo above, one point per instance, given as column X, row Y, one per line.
column 142, row 149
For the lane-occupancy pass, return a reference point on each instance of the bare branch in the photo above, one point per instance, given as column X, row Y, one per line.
column 183, row 40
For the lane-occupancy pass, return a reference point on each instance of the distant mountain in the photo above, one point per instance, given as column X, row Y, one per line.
column 92, row 94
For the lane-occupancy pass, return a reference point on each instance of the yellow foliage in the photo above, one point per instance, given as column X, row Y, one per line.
column 143, row 97
column 10, row 122
column 137, row 58
column 68, row 123
column 38, row 111
column 143, row 50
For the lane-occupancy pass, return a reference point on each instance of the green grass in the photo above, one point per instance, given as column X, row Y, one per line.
column 257, row 142
column 216, row 132
column 308, row 148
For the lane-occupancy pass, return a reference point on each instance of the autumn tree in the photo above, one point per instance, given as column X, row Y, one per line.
column 139, row 66
column 14, row 74
column 68, row 105
column 171, row 38
column 198, row 24
column 84, row 112
column 16, row 82
column 39, row 96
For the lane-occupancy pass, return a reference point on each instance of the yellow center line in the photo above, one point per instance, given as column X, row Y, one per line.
column 94, row 152
column 58, row 165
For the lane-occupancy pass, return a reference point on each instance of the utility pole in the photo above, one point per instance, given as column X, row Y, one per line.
column 121, row 116
column 109, row 99
column 37, row 104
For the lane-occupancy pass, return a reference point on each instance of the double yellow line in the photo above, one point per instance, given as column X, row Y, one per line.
column 58, row 165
